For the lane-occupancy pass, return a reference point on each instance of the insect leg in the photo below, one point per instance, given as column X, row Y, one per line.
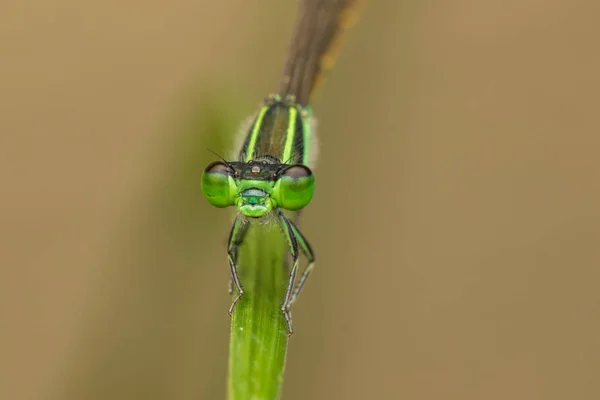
column 288, row 231
column 307, row 250
column 236, row 237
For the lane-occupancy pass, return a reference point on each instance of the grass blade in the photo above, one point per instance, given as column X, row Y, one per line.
column 259, row 334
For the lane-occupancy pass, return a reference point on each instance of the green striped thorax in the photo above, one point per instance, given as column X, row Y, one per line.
column 270, row 171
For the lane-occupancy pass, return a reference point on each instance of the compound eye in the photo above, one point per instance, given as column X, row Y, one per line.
column 297, row 171
column 218, row 167
column 217, row 184
column 295, row 187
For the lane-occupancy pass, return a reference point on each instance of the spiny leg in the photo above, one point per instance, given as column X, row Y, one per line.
column 236, row 237
column 230, row 282
column 288, row 231
column 306, row 249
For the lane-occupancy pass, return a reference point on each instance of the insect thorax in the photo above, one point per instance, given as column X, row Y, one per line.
column 278, row 134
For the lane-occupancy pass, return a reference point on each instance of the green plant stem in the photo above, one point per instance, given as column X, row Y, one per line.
column 259, row 334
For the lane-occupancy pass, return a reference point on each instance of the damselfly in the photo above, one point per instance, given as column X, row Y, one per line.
column 273, row 170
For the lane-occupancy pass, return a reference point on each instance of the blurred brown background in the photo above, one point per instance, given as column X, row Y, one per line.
column 456, row 220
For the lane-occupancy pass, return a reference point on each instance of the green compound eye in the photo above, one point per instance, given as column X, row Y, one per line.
column 217, row 184
column 294, row 188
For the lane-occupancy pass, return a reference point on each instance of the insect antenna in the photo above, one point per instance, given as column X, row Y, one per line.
column 222, row 159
